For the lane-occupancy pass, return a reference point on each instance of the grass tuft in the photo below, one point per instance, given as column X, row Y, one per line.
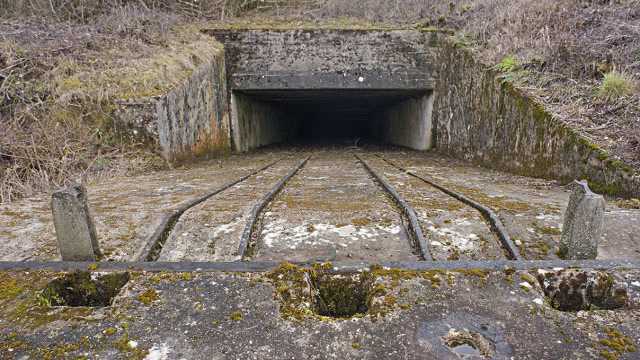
column 508, row 64
column 615, row 85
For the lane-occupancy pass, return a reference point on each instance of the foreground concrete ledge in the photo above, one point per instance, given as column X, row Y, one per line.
column 338, row 267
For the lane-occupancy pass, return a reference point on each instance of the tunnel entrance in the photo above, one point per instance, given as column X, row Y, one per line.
column 339, row 116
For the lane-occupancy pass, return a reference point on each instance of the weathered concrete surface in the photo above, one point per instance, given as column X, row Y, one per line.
column 620, row 234
column 212, row 230
column 227, row 316
column 257, row 123
column 126, row 210
column 481, row 118
column 407, row 123
column 75, row 230
column 454, row 230
column 582, row 223
column 189, row 121
column 328, row 59
column 269, row 60
column 531, row 209
column 333, row 210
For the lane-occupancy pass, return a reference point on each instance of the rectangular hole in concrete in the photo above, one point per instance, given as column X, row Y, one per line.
column 82, row 288
column 399, row 117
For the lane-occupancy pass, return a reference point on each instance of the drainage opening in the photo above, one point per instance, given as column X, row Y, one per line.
column 575, row 290
column 469, row 345
column 341, row 296
column 82, row 288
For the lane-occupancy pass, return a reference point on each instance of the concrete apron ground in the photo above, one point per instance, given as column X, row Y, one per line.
column 128, row 210
column 332, row 210
column 211, row 231
column 531, row 209
column 230, row 310
column 240, row 316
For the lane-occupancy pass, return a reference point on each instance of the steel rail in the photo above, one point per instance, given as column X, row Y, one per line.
column 408, row 211
column 154, row 243
column 247, row 240
column 490, row 216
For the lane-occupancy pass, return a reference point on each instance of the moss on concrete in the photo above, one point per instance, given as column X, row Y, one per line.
column 531, row 143
column 139, row 78
column 148, row 296
column 616, row 344
column 341, row 23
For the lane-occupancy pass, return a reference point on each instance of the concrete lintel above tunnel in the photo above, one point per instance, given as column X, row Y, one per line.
column 289, row 86
column 329, row 59
column 350, row 79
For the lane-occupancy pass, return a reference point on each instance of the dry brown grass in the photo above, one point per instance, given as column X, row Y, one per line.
column 57, row 82
column 563, row 48
column 84, row 11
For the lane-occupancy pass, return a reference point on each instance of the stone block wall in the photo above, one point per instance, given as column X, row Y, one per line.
column 327, row 59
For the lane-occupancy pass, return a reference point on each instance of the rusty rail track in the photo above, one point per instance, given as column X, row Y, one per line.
column 154, row 243
column 249, row 237
column 415, row 232
column 490, row 216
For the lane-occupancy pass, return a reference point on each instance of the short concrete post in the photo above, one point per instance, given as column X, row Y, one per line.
column 76, row 233
column 582, row 223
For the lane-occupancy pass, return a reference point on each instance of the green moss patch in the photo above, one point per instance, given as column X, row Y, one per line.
column 9, row 287
column 316, row 293
column 148, row 296
column 81, row 289
column 616, row 344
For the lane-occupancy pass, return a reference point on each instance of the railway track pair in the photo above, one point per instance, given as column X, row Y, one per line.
column 148, row 258
column 251, row 235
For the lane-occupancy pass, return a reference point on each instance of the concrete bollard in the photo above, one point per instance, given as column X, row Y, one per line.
column 76, row 233
column 582, row 223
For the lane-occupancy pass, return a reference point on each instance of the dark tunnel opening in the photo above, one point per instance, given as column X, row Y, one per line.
column 263, row 117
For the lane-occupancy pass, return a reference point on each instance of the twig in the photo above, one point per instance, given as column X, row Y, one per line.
column 143, row 5
column 20, row 62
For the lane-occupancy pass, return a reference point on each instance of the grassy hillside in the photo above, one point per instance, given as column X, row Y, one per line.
column 580, row 58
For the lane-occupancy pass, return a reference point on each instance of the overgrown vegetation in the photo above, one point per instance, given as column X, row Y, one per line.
column 58, row 84
column 59, row 76
column 508, row 64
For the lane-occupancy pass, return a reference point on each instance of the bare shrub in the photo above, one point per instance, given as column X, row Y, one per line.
column 150, row 25
column 40, row 152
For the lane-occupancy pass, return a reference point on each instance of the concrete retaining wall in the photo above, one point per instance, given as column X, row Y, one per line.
column 479, row 118
column 408, row 123
column 257, row 123
column 189, row 121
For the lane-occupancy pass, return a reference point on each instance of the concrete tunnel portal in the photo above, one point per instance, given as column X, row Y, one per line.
column 336, row 116
column 329, row 86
